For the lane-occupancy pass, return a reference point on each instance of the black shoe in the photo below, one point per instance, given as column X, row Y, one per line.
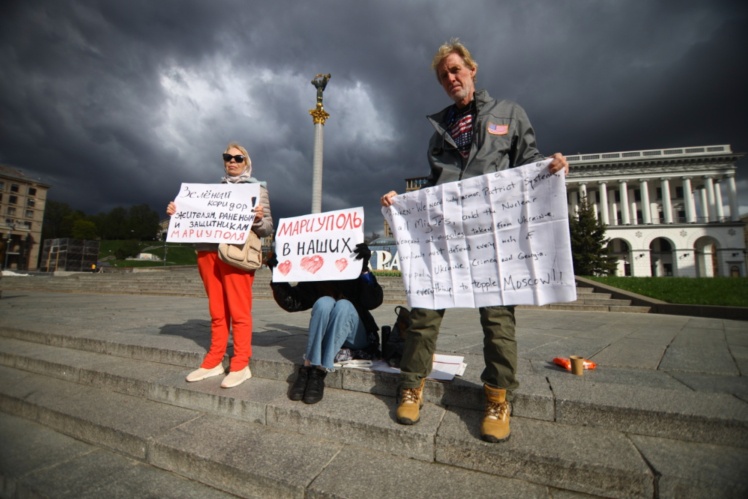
column 299, row 385
column 315, row 387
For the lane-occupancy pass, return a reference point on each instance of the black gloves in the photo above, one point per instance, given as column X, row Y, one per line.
column 363, row 253
column 271, row 262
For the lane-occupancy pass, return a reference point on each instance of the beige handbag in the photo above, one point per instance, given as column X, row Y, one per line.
column 247, row 257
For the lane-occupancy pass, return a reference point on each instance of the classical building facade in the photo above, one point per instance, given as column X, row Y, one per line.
column 668, row 212
column 22, row 201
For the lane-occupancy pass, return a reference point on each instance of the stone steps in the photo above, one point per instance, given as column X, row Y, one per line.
column 186, row 282
column 127, row 395
column 253, row 441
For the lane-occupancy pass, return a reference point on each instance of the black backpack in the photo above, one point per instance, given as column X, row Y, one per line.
column 393, row 338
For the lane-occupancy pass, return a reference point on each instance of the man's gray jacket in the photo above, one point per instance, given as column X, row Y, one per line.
column 502, row 138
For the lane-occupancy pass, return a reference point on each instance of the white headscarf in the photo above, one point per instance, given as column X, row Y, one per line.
column 244, row 176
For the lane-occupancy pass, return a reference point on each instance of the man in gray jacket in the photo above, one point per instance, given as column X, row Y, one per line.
column 474, row 136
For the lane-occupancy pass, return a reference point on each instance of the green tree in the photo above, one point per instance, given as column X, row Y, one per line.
column 116, row 225
column 143, row 222
column 84, row 229
column 100, row 221
column 589, row 251
column 127, row 249
column 59, row 219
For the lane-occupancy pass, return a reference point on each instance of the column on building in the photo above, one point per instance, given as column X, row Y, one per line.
column 667, row 205
column 733, row 194
column 633, row 211
column 592, row 200
column 624, row 192
column 604, row 209
column 718, row 199
column 710, row 198
column 646, row 210
column 704, row 206
column 574, row 202
column 582, row 195
column 688, row 200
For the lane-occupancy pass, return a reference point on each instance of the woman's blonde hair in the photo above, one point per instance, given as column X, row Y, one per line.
column 453, row 46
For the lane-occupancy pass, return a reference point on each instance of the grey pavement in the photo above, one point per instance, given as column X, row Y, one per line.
column 666, row 410
column 676, row 352
column 644, row 346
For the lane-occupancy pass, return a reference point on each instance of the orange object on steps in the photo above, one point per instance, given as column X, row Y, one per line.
column 566, row 363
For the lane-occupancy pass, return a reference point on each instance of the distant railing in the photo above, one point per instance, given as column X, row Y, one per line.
column 684, row 151
column 676, row 220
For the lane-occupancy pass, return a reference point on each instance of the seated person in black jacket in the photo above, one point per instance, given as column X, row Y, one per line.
column 340, row 319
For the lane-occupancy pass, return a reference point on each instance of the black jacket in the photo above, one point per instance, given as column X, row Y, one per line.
column 364, row 293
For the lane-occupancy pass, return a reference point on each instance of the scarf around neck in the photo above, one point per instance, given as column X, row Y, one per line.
column 243, row 177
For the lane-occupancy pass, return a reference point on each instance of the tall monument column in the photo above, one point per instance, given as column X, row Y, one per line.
column 319, row 116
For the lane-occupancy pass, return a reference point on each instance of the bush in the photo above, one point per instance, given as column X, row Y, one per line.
column 127, row 249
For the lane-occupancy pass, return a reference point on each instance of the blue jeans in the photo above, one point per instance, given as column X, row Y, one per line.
column 334, row 325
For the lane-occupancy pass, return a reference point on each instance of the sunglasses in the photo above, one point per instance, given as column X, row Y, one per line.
column 239, row 158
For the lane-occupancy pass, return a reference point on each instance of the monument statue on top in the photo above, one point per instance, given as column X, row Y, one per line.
column 320, row 81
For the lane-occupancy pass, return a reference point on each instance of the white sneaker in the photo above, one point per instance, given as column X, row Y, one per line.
column 202, row 373
column 236, row 378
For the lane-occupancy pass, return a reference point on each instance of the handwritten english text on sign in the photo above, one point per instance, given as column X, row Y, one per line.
column 213, row 213
column 497, row 239
column 319, row 247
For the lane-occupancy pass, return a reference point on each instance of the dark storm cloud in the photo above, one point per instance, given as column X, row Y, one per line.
column 116, row 103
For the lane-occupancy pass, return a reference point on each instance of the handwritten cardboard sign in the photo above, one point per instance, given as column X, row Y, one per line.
column 319, row 247
column 497, row 239
column 213, row 213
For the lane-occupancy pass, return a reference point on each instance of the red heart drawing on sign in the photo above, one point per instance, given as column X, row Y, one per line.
column 284, row 268
column 341, row 264
column 312, row 263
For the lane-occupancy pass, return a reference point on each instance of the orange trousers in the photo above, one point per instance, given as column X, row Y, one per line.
column 229, row 293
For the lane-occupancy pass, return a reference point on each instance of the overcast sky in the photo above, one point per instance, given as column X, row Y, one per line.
column 115, row 103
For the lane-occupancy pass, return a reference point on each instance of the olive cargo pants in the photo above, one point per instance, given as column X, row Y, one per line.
column 499, row 347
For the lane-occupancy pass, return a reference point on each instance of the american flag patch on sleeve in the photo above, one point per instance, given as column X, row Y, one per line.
column 495, row 129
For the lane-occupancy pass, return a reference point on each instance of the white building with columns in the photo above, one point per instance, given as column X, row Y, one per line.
column 668, row 212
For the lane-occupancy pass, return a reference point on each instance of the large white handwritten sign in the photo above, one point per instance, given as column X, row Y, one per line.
column 213, row 213
column 319, row 247
column 498, row 239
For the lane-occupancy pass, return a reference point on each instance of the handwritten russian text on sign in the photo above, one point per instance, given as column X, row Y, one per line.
column 213, row 213
column 497, row 239
column 319, row 247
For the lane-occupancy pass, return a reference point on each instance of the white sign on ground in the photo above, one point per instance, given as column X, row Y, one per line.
column 319, row 247
column 498, row 239
column 213, row 213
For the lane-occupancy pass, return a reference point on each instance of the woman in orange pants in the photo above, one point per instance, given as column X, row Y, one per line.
column 229, row 289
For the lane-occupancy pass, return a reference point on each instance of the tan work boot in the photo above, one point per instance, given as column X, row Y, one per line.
column 495, row 425
column 411, row 401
